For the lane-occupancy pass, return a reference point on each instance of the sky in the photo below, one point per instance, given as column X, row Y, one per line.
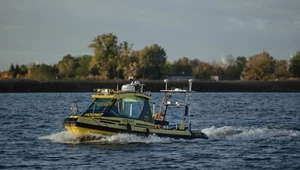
column 44, row 31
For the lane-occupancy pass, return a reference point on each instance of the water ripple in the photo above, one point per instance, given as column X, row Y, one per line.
column 246, row 131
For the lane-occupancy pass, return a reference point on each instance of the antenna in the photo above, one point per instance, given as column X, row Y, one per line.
column 118, row 82
column 131, row 77
column 166, row 83
column 190, row 84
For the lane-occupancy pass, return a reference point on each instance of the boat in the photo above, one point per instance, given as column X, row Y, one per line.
column 131, row 110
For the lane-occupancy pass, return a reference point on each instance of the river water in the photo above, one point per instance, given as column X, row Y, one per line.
column 246, row 131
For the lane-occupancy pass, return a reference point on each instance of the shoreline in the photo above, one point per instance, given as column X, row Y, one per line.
column 20, row 85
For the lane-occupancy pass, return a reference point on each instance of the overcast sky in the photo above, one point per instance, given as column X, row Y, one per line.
column 47, row 30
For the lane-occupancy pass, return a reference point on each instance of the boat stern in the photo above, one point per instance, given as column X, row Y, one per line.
column 199, row 134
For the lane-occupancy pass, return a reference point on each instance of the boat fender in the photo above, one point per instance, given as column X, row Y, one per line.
column 128, row 128
column 186, row 111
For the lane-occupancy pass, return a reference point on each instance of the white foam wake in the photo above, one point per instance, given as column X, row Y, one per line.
column 66, row 137
column 61, row 137
column 247, row 133
column 225, row 132
column 130, row 138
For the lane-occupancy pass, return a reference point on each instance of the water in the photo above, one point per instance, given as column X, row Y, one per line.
column 246, row 131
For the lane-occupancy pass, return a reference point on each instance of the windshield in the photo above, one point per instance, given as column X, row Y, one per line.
column 99, row 105
column 133, row 107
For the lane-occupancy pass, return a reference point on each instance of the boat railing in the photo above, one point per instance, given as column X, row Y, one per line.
column 169, row 103
column 185, row 102
column 101, row 91
column 74, row 108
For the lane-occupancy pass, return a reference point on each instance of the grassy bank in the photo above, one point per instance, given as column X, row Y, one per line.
column 8, row 86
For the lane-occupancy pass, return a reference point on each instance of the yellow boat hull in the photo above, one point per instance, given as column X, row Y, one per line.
column 81, row 126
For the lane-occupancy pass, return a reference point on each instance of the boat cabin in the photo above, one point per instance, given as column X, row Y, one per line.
column 125, row 104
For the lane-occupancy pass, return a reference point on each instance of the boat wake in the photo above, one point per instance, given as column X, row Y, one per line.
column 66, row 137
column 219, row 133
column 248, row 133
column 60, row 137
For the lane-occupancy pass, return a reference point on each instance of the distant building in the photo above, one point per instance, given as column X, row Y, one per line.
column 214, row 78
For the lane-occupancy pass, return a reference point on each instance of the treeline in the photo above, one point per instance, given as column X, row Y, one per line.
column 117, row 60
column 21, row 85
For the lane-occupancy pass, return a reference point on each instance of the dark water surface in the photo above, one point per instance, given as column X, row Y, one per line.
column 246, row 131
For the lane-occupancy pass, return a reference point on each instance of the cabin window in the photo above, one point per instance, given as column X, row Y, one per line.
column 131, row 107
column 99, row 105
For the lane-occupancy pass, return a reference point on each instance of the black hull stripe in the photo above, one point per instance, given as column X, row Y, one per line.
column 108, row 120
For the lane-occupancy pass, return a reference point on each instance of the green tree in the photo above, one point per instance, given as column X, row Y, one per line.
column 167, row 68
column 259, row 67
column 294, row 66
column 42, row 72
column 139, row 72
column 240, row 63
column 11, row 69
column 235, row 68
column 106, row 50
column 67, row 67
column 152, row 60
column 230, row 73
column 23, row 70
column 93, row 66
column 217, row 70
column 16, row 71
column 202, row 71
column 182, row 66
column 124, row 60
column 83, row 70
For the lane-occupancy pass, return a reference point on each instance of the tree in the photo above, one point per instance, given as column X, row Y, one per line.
column 152, row 60
column 217, row 69
column 106, row 50
column 83, row 69
column 67, row 67
column 139, row 70
column 182, row 66
column 42, row 72
column 240, row 63
column 235, row 68
column 194, row 62
column 16, row 71
column 202, row 71
column 23, row 70
column 259, row 67
column 93, row 66
column 294, row 67
column 281, row 69
column 124, row 60
column 167, row 68
column 11, row 69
